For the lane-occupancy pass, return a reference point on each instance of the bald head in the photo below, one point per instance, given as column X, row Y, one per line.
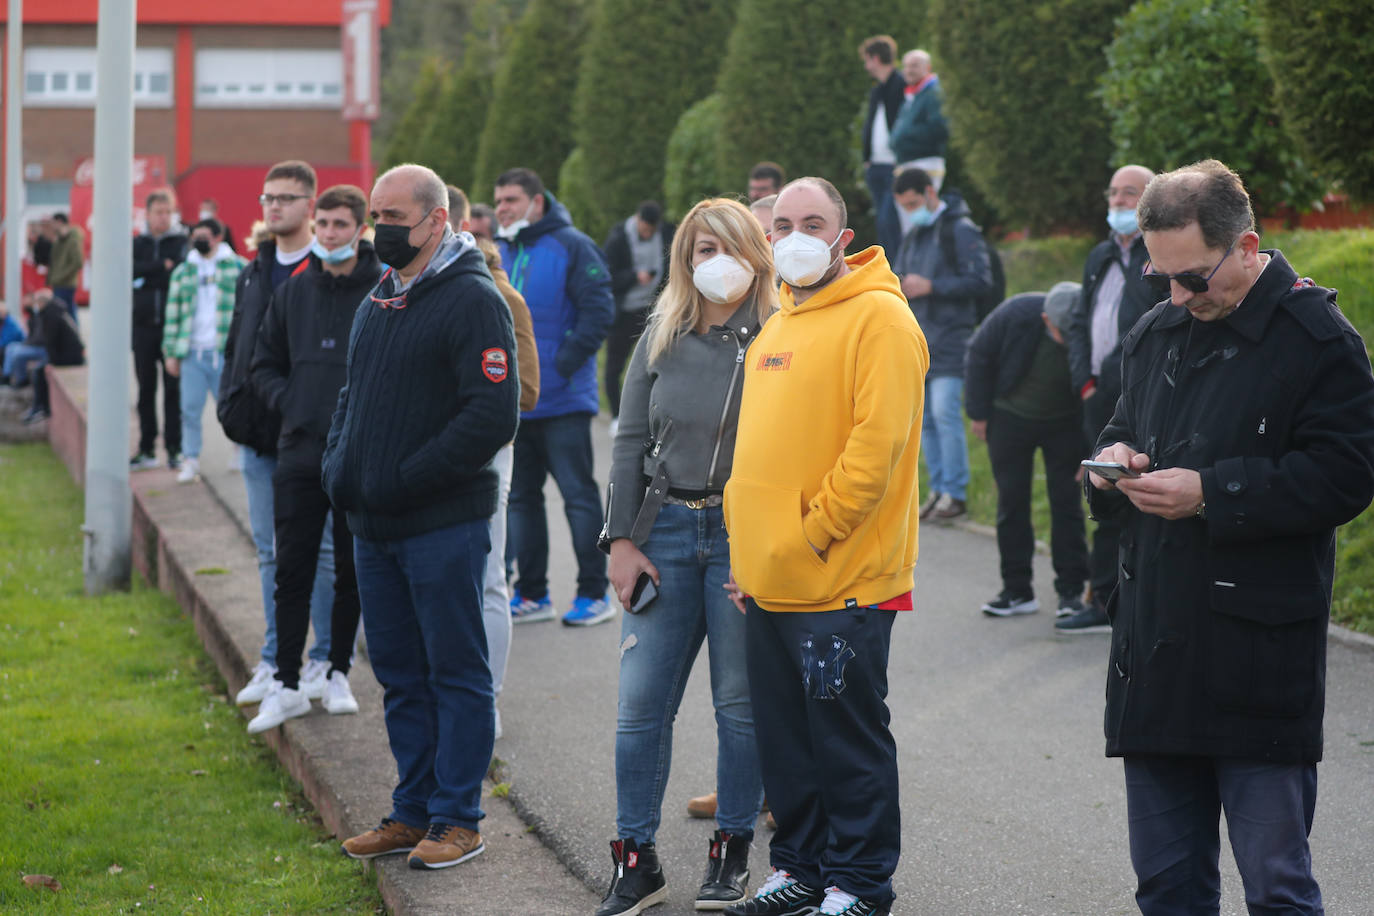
column 816, row 193
column 414, row 200
column 915, row 66
column 426, row 188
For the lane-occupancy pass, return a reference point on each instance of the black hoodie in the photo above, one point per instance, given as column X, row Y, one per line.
column 301, row 358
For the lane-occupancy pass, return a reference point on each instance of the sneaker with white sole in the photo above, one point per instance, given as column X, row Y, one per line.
column 1069, row 605
column 313, row 677
column 531, row 610
column 587, row 612
column 280, row 704
column 190, row 470
column 446, row 845
column 258, row 685
column 780, row 895
column 839, row 903
column 143, row 461
column 1009, row 604
column 338, row 697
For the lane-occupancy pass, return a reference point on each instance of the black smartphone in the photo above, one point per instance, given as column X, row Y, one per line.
column 1109, row 470
column 644, row 594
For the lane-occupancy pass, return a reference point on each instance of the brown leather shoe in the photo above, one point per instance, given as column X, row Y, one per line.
column 769, row 822
column 387, row 837
column 703, row 806
column 445, row 845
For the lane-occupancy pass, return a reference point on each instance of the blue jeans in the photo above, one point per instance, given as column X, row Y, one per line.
column 879, row 181
column 200, row 371
column 1173, row 806
column 658, row 647
column 561, row 446
column 67, row 294
column 422, row 612
column 257, row 481
column 943, row 444
column 21, row 359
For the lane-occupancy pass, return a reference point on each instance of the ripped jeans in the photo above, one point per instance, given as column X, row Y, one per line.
column 658, row 647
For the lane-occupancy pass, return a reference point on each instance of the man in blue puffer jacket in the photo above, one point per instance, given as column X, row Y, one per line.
column 565, row 281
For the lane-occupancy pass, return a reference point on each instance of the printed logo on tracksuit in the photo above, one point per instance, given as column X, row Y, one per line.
column 823, row 666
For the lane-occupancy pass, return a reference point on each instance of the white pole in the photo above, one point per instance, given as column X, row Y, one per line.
column 14, row 156
column 109, row 508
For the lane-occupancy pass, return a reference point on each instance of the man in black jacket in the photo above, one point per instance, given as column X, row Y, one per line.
column 879, row 56
column 1114, row 298
column 1019, row 399
column 56, row 331
column 637, row 254
column 156, row 253
column 1248, row 413
column 298, row 368
column 431, row 397
column 288, row 195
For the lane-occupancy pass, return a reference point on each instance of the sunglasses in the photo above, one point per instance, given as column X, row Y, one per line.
column 1193, row 283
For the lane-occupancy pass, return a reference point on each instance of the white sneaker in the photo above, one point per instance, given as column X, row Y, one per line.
column 190, row 470
column 497, row 733
column 338, row 697
column 258, row 685
column 280, row 704
column 313, row 677
column 615, row 428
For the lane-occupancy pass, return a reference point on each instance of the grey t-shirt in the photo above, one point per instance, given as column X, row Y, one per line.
column 647, row 254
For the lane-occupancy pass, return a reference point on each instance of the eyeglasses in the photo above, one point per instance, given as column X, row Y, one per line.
column 268, row 200
column 1193, row 283
column 1127, row 191
column 391, row 302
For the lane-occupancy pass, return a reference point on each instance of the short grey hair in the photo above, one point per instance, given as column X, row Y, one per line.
column 1207, row 193
column 428, row 189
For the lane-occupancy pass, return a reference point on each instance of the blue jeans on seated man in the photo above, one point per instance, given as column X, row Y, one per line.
column 422, row 613
column 561, row 446
column 658, row 647
column 1173, row 806
column 200, row 371
column 943, row 444
column 21, row 359
column 257, row 481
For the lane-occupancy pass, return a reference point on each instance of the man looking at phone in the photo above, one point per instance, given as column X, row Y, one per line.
column 637, row 252
column 1248, row 410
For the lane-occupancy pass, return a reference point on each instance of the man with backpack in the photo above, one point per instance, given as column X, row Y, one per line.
column 945, row 270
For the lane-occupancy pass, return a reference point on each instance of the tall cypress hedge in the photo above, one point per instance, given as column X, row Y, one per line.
column 690, row 172
column 527, row 122
column 643, row 65
column 1020, row 80
column 793, row 89
column 1321, row 56
column 448, row 143
column 404, row 142
column 1184, row 82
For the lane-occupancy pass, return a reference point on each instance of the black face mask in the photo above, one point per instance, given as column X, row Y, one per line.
column 202, row 245
column 392, row 242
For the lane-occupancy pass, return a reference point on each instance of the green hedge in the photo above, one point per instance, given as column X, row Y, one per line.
column 448, row 143
column 1020, row 82
column 690, row 171
column 1321, row 56
column 527, row 122
column 575, row 192
column 1184, row 82
column 404, row 141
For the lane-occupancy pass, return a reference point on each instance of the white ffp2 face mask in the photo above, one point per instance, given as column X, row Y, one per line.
column 722, row 279
column 510, row 232
column 803, row 259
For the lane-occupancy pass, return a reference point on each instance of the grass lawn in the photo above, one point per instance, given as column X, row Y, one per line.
column 126, row 774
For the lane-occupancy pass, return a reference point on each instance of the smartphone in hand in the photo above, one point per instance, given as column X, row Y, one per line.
column 1109, row 470
column 644, row 593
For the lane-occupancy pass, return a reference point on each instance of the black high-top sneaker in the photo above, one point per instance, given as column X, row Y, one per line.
column 637, row 882
column 727, row 872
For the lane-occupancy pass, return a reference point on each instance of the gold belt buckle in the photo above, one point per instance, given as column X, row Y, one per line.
column 695, row 503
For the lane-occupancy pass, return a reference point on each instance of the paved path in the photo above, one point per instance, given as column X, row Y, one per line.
column 1008, row 803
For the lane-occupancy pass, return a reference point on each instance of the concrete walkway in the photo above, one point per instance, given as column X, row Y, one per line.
column 1008, row 804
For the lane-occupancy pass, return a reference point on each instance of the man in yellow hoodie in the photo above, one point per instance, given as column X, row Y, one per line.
column 822, row 510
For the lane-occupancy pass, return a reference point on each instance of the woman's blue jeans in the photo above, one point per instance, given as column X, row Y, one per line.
column 657, row 649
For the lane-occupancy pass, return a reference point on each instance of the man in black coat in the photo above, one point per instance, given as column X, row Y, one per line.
column 156, row 253
column 1248, row 413
column 885, row 99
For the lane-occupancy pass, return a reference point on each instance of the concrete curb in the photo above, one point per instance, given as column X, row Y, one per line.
column 188, row 543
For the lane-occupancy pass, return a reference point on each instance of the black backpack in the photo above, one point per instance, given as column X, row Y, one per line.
column 985, row 303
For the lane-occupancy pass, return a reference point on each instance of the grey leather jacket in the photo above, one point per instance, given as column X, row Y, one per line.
column 677, row 422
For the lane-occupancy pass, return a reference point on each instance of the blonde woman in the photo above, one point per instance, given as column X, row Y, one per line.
column 664, row 527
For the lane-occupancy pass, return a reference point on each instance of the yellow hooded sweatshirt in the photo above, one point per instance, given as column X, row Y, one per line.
column 827, row 447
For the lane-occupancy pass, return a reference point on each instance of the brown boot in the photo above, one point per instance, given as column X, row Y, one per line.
column 703, row 806
column 445, row 845
column 387, row 837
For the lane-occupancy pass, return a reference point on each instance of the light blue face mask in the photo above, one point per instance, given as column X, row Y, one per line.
column 337, row 256
column 1122, row 221
column 920, row 217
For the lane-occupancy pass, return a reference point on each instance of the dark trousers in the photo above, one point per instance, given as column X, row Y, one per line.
column 1105, row 562
column 299, row 507
column 879, row 181
column 561, row 446
column 147, row 344
column 66, row 294
column 620, row 343
column 818, row 687
column 1174, row 804
column 1012, row 443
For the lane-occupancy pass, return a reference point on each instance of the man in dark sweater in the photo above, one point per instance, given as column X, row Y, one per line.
column 299, row 365
column 1018, row 394
column 430, row 399
column 156, row 253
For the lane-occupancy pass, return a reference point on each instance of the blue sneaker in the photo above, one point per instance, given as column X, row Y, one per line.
column 531, row 610
column 588, row 612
